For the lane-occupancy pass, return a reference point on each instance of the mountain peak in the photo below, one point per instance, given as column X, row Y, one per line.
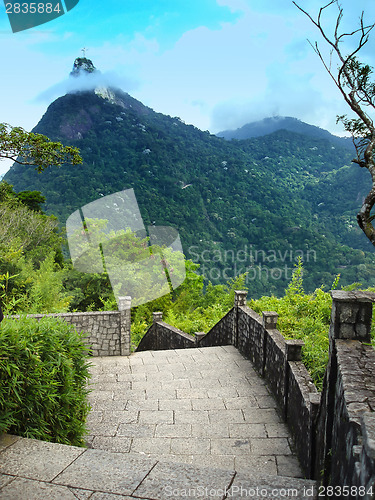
column 82, row 65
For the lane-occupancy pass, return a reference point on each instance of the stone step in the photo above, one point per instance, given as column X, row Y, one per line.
column 201, row 407
column 31, row 469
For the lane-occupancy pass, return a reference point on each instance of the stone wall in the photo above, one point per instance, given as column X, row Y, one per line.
column 162, row 336
column 279, row 361
column 221, row 333
column 300, row 411
column 107, row 333
column 334, row 432
column 251, row 339
column 345, row 426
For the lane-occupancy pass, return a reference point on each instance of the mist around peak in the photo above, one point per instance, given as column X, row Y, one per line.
column 85, row 77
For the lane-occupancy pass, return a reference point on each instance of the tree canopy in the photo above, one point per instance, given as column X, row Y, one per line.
column 38, row 150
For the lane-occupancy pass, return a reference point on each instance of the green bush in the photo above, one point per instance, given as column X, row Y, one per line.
column 303, row 316
column 43, row 380
column 307, row 316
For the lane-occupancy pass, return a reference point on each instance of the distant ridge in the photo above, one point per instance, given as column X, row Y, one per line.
column 274, row 123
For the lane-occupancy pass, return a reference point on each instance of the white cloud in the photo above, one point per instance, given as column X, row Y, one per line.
column 86, row 81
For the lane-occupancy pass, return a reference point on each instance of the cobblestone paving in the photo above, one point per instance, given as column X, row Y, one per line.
column 206, row 407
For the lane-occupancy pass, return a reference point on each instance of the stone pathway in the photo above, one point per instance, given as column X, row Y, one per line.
column 205, row 407
column 36, row 470
column 192, row 423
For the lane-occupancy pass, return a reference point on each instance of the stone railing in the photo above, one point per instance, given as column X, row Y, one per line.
column 162, row 336
column 345, row 424
column 107, row 333
column 279, row 361
column 221, row 333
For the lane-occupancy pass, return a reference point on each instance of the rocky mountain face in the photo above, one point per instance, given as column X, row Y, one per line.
column 81, row 66
column 253, row 205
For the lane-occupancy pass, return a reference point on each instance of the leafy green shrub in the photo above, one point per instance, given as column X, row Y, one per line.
column 303, row 316
column 43, row 375
column 307, row 317
column 27, row 287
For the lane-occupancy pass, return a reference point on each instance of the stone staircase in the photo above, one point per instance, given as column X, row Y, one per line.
column 190, row 423
column 198, row 406
column 36, row 470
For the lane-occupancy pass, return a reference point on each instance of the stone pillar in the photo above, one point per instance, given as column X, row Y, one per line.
column 315, row 402
column 293, row 348
column 240, row 298
column 157, row 316
column 239, row 301
column 351, row 315
column 198, row 337
column 315, row 399
column 124, row 305
column 270, row 320
column 293, row 352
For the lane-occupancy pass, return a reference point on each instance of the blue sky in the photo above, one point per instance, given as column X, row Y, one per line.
column 217, row 64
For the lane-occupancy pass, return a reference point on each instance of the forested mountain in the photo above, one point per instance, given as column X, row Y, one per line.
column 274, row 123
column 254, row 205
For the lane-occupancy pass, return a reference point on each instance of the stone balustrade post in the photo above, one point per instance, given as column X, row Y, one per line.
column 240, row 297
column 157, row 316
column 351, row 315
column 198, row 337
column 315, row 402
column 293, row 352
column 270, row 320
column 315, row 398
column 293, row 349
column 124, row 305
column 239, row 301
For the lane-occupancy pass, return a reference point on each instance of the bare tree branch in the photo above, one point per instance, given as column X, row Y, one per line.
column 354, row 83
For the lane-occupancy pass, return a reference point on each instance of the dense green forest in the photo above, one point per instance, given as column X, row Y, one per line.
column 274, row 215
column 273, row 123
column 253, row 206
column 35, row 278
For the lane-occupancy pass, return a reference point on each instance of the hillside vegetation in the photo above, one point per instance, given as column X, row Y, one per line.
column 255, row 205
column 35, row 279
